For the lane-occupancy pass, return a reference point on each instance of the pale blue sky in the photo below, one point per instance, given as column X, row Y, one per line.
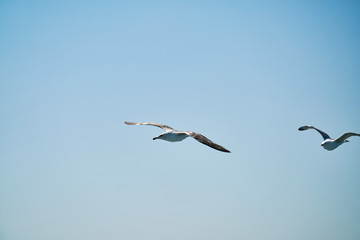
column 246, row 74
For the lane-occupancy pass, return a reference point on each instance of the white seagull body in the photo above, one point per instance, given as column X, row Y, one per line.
column 329, row 143
column 172, row 135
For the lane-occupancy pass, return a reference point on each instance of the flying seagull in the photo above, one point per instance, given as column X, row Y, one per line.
column 173, row 135
column 329, row 143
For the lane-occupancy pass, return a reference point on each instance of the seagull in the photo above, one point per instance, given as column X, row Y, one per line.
column 173, row 135
column 329, row 143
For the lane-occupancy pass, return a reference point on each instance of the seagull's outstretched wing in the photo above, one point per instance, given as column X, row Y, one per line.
column 206, row 141
column 166, row 128
column 345, row 136
column 324, row 135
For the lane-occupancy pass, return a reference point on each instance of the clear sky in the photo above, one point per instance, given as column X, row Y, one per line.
column 246, row 74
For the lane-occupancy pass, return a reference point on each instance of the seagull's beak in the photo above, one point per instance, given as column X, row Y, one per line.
column 155, row 138
column 322, row 144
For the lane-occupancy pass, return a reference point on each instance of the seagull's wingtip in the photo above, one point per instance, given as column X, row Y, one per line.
column 225, row 150
column 302, row 128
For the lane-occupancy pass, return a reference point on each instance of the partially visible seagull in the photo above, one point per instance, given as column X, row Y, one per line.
column 329, row 143
column 173, row 135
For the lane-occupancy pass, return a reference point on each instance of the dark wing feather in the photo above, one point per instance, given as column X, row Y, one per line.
column 324, row 135
column 206, row 141
column 345, row 136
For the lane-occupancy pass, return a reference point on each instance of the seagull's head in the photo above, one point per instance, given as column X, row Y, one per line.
column 158, row 137
column 323, row 143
